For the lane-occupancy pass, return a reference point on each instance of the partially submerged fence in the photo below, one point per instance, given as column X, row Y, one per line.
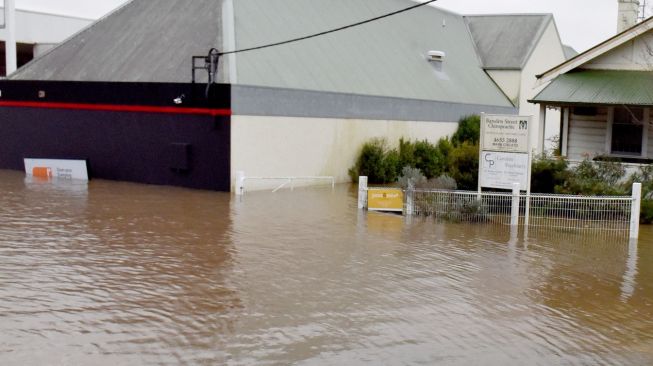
column 618, row 215
column 242, row 179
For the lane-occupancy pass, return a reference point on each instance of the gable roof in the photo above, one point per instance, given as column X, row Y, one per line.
column 387, row 57
column 153, row 41
column 141, row 41
column 596, row 51
column 506, row 41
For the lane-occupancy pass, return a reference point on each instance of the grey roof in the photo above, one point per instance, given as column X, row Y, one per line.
column 569, row 51
column 506, row 41
column 386, row 58
column 153, row 41
column 145, row 40
column 611, row 87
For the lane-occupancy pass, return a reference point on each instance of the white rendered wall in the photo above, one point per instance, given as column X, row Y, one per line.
column 510, row 83
column 547, row 54
column 292, row 146
column 34, row 27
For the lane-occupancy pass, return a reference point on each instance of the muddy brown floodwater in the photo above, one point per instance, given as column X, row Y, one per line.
column 122, row 274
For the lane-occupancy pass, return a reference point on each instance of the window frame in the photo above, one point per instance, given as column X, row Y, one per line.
column 645, row 134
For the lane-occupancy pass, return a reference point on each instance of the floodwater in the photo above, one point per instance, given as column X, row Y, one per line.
column 122, row 274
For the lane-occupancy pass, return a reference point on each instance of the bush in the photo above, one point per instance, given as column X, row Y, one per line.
column 376, row 162
column 594, row 179
column 422, row 155
column 411, row 177
column 442, row 182
column 646, row 215
column 469, row 130
column 463, row 165
column 644, row 176
column 548, row 173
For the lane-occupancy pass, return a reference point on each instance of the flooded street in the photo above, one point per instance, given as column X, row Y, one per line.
column 124, row 274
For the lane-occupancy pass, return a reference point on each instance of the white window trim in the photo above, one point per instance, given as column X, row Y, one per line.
column 645, row 129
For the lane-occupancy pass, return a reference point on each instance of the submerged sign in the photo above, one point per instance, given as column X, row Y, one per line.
column 390, row 199
column 505, row 133
column 60, row 169
column 505, row 157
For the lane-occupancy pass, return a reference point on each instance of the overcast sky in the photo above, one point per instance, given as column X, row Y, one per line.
column 582, row 23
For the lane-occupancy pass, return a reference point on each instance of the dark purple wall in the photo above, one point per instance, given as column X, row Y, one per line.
column 135, row 147
column 188, row 150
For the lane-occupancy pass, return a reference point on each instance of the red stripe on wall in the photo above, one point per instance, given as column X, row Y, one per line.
column 118, row 108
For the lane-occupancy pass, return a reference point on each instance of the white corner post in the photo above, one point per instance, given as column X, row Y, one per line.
column 410, row 202
column 11, row 60
column 514, row 212
column 240, row 183
column 541, row 130
column 635, row 210
column 362, row 193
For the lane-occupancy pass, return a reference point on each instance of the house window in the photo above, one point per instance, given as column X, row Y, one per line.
column 628, row 131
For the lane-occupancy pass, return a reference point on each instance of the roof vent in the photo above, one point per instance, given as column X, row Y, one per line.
column 436, row 56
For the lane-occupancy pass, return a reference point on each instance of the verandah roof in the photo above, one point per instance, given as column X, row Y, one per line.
column 604, row 87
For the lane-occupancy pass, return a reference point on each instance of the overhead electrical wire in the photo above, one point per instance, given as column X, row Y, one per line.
column 328, row 31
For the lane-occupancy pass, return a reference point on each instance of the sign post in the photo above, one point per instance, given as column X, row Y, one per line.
column 505, row 153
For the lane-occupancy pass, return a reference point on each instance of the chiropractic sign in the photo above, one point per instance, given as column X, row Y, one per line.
column 505, row 133
column 505, row 156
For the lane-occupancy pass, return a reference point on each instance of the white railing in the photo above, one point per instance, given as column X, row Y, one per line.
column 608, row 214
column 241, row 179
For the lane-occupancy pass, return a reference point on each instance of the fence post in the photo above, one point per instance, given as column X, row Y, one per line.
column 362, row 193
column 240, row 183
column 635, row 210
column 514, row 212
column 410, row 203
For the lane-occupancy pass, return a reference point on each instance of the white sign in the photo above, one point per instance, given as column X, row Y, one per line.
column 60, row 169
column 505, row 133
column 500, row 170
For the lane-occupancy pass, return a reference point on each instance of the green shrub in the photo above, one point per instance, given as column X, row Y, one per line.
column 646, row 214
column 406, row 153
column 548, row 172
column 644, row 176
column 463, row 165
column 594, row 179
column 376, row 162
column 469, row 130
column 428, row 159
column 422, row 155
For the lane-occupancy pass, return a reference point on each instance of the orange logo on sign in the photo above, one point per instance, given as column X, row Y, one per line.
column 41, row 172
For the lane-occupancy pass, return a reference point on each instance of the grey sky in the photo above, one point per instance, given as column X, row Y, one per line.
column 582, row 23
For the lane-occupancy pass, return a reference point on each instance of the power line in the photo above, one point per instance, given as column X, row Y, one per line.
column 329, row 31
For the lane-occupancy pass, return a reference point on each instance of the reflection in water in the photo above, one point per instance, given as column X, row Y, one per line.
column 113, row 273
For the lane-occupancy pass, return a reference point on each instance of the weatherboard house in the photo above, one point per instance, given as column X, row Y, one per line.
column 606, row 96
column 119, row 94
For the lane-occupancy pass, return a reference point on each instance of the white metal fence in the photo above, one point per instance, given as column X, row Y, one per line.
column 615, row 215
column 242, row 179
